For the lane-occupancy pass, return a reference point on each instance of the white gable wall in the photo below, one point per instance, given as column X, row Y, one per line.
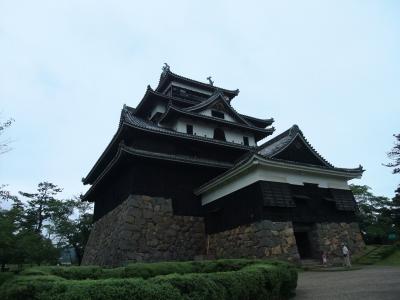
column 204, row 129
column 207, row 112
column 159, row 107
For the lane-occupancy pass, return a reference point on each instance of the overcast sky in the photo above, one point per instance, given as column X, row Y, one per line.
column 67, row 68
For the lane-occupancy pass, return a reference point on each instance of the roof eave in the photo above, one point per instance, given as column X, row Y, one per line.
column 88, row 179
column 170, row 76
column 126, row 150
column 171, row 110
column 257, row 159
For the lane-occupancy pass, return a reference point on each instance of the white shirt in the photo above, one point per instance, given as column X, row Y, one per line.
column 345, row 250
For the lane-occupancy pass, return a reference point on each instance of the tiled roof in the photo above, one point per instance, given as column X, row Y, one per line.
column 253, row 155
column 132, row 120
column 172, row 109
column 129, row 119
column 123, row 149
column 277, row 144
column 168, row 76
column 217, row 96
column 150, row 93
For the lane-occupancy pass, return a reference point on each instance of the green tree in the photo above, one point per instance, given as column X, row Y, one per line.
column 32, row 247
column 73, row 230
column 4, row 144
column 43, row 206
column 374, row 214
column 20, row 244
column 10, row 222
column 394, row 155
column 29, row 231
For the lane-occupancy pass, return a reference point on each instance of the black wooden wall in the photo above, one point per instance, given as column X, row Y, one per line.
column 144, row 176
column 247, row 205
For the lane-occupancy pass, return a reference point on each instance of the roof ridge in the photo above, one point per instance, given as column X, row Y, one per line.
column 132, row 120
column 167, row 72
column 316, row 152
column 214, row 97
column 194, row 114
column 291, row 134
column 257, row 119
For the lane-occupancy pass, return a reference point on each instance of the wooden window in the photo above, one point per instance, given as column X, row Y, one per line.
column 246, row 140
column 189, row 129
column 217, row 114
column 219, row 134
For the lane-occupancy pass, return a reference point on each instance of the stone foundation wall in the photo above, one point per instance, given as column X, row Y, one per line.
column 264, row 239
column 328, row 237
column 144, row 228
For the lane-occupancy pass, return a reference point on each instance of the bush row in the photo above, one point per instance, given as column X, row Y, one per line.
column 252, row 281
column 147, row 270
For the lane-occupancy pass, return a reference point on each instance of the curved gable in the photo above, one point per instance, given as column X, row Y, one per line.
column 298, row 150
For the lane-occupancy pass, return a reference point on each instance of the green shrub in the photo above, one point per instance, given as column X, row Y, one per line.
column 5, row 276
column 52, row 287
column 115, row 289
column 220, row 279
column 253, row 282
column 26, row 287
column 143, row 270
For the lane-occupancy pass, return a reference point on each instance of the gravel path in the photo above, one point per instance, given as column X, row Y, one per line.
column 381, row 283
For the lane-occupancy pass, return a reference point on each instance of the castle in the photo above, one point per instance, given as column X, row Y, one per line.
column 184, row 177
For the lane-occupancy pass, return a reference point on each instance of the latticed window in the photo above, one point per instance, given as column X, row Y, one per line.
column 189, row 129
column 219, row 134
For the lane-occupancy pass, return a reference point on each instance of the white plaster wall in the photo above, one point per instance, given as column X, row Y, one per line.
column 207, row 112
column 258, row 172
column 236, row 135
column 159, row 107
column 206, row 130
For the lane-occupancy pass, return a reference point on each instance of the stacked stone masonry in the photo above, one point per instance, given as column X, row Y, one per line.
column 328, row 238
column 264, row 239
column 144, row 228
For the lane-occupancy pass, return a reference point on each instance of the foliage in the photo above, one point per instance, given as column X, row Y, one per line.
column 5, row 276
column 394, row 155
column 73, row 229
column 231, row 279
column 42, row 206
column 375, row 215
column 149, row 270
column 34, row 231
column 18, row 244
column 4, row 144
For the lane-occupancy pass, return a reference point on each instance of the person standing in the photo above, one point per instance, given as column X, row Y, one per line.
column 324, row 259
column 346, row 256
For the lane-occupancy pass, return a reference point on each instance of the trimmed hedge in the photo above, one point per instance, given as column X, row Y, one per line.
column 4, row 276
column 220, row 279
column 147, row 270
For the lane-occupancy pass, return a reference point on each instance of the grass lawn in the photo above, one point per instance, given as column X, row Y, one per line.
column 392, row 260
column 379, row 255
